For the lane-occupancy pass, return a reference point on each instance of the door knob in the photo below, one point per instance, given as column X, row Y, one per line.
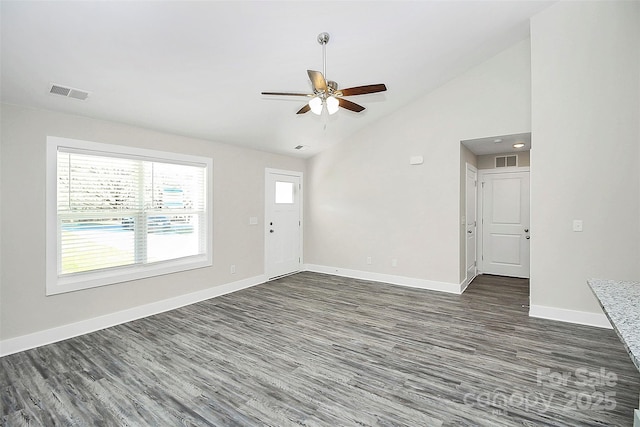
column 270, row 231
column 528, row 237
column 526, row 230
column 469, row 231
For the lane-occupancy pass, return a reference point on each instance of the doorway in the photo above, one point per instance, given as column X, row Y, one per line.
column 283, row 222
column 505, row 229
column 502, row 246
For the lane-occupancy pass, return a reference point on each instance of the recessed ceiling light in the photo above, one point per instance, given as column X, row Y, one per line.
column 518, row 145
column 497, row 140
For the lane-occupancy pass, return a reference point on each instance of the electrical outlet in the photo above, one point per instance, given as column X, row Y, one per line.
column 368, row 260
column 233, row 269
column 394, row 262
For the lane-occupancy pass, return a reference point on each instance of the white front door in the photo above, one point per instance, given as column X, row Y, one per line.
column 505, row 223
column 471, row 191
column 283, row 222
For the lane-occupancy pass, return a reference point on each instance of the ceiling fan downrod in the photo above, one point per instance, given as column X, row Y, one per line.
column 325, row 98
column 323, row 39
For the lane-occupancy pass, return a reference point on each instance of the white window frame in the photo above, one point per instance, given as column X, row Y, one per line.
column 56, row 284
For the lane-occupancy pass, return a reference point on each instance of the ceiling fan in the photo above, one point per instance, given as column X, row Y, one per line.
column 326, row 92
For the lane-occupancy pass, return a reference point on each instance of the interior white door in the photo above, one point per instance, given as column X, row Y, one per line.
column 471, row 191
column 283, row 221
column 505, row 224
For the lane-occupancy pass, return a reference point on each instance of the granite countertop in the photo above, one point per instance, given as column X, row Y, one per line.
column 621, row 303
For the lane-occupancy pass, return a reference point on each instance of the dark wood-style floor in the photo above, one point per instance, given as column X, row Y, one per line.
column 319, row 350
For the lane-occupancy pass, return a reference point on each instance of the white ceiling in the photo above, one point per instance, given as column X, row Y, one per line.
column 197, row 68
column 499, row 144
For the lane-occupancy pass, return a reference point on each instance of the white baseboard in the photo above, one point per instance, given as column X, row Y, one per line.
column 571, row 316
column 465, row 283
column 60, row 333
column 387, row 278
column 48, row 336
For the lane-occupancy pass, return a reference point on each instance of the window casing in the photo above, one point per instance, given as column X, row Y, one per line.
column 117, row 213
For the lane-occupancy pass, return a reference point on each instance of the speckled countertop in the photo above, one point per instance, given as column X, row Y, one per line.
column 621, row 303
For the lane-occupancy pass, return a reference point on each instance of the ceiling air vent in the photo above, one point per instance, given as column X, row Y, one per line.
column 68, row 92
column 506, row 161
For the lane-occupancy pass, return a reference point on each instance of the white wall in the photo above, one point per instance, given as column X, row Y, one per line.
column 586, row 142
column 238, row 194
column 364, row 199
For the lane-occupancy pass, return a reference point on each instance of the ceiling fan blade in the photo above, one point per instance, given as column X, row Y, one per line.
column 287, row 94
column 304, row 109
column 363, row 90
column 317, row 80
column 344, row 103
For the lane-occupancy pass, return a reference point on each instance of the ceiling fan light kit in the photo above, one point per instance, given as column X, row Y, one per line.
column 332, row 104
column 326, row 93
column 316, row 105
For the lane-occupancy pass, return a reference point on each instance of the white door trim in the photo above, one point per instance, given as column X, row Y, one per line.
column 514, row 169
column 472, row 168
column 299, row 175
column 480, row 214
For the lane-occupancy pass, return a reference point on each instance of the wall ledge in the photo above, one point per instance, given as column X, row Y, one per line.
column 570, row 316
column 60, row 333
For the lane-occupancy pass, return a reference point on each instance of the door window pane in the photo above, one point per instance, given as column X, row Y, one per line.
column 284, row 192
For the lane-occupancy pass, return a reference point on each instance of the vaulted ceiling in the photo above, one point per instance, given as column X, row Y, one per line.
column 197, row 68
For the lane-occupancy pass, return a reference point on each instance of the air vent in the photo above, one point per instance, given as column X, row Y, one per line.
column 298, row 147
column 68, row 92
column 506, row 161
column 59, row 90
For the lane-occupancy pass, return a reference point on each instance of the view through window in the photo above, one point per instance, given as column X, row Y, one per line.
column 117, row 209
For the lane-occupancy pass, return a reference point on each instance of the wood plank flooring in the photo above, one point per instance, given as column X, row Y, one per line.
column 318, row 350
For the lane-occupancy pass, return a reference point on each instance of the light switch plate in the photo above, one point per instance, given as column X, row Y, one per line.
column 577, row 225
column 416, row 160
column 253, row 220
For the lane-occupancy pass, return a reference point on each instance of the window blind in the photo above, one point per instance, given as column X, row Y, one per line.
column 116, row 211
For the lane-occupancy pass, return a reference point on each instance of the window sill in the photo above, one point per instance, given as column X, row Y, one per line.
column 79, row 281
